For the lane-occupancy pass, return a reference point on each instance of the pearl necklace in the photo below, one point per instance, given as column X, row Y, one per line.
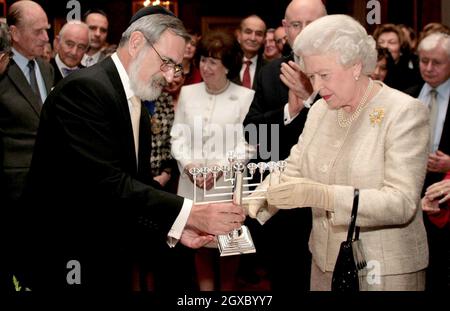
column 342, row 121
column 215, row 92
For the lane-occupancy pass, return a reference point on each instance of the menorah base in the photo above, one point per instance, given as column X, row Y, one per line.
column 237, row 242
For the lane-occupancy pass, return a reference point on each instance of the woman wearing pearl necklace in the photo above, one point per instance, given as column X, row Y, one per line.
column 361, row 135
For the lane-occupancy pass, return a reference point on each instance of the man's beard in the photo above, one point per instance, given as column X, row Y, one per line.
column 142, row 90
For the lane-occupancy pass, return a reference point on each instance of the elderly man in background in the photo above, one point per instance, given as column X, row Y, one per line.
column 71, row 44
column 434, row 65
column 23, row 88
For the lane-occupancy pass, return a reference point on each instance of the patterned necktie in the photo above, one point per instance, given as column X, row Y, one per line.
column 246, row 80
column 135, row 115
column 433, row 117
column 33, row 81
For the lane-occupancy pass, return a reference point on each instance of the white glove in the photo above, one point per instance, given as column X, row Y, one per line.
column 301, row 192
column 259, row 209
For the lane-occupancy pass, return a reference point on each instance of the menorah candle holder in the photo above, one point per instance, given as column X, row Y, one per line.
column 236, row 176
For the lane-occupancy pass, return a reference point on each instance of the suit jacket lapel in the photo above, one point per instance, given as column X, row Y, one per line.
column 122, row 105
column 18, row 79
column 47, row 74
column 444, row 144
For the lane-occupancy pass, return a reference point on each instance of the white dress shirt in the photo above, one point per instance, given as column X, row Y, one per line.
column 22, row 62
column 443, row 91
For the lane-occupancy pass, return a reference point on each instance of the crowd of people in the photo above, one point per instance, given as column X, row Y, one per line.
column 98, row 143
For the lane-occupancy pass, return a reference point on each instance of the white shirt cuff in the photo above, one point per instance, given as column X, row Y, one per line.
column 180, row 222
column 287, row 118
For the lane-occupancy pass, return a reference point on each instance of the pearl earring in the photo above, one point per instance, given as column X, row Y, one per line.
column 356, row 78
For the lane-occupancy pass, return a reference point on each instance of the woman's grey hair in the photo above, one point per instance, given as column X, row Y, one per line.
column 340, row 34
column 431, row 41
column 5, row 38
column 152, row 27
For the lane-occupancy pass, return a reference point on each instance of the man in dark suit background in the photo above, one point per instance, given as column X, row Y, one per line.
column 71, row 43
column 251, row 35
column 98, row 24
column 279, row 102
column 20, row 104
column 91, row 174
column 434, row 65
column 23, row 88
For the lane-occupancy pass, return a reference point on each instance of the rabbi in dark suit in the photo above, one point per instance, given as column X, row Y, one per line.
column 91, row 168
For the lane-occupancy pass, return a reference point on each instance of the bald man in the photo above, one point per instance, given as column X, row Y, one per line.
column 280, row 93
column 71, row 44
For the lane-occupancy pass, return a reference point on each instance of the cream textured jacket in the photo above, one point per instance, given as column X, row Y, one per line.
column 384, row 154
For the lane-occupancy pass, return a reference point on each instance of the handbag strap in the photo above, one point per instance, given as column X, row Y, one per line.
column 351, row 228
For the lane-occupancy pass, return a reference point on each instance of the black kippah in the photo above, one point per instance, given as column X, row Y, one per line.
column 150, row 10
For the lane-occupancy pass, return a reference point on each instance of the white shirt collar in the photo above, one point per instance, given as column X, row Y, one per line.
column 123, row 76
column 254, row 59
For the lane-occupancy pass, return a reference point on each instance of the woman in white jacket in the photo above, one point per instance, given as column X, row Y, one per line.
column 208, row 125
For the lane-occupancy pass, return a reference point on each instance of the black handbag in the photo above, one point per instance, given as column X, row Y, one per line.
column 350, row 258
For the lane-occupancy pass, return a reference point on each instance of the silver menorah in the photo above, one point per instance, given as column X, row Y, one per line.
column 236, row 176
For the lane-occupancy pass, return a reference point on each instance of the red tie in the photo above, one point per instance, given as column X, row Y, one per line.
column 246, row 81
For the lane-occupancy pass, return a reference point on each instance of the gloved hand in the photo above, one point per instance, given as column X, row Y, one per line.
column 301, row 192
column 259, row 209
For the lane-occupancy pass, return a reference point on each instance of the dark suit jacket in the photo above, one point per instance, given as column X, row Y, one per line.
column 19, row 119
column 259, row 64
column 268, row 108
column 444, row 144
column 84, row 174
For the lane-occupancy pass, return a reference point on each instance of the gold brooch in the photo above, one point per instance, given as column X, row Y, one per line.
column 376, row 116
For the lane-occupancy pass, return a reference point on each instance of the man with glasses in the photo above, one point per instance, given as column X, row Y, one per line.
column 279, row 101
column 101, row 209
column 71, row 44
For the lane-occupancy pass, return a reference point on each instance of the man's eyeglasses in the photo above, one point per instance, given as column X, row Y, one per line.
column 167, row 65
